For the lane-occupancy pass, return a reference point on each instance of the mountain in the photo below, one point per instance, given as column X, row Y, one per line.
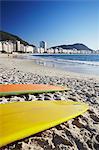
column 8, row 36
column 77, row 46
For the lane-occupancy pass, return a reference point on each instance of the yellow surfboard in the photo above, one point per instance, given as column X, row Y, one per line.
column 22, row 119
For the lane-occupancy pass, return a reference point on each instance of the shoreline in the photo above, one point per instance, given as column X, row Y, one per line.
column 29, row 65
column 81, row 132
column 68, row 65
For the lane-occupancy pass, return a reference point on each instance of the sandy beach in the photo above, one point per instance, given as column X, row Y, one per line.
column 81, row 133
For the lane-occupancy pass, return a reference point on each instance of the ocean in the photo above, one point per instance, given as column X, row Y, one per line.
column 78, row 63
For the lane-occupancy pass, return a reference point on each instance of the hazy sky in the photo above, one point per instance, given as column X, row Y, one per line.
column 56, row 22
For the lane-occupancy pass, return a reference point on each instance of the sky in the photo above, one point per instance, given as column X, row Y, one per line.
column 56, row 22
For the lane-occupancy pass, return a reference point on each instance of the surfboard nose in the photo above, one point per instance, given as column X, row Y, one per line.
column 22, row 119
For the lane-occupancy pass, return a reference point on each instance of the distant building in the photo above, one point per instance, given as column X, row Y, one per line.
column 14, row 47
column 29, row 49
column 97, row 51
column 36, row 50
column 0, row 46
column 22, row 48
column 6, row 46
column 10, row 46
column 43, row 46
column 18, row 46
column 50, row 51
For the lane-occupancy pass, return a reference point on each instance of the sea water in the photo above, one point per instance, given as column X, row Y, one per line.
column 86, row 64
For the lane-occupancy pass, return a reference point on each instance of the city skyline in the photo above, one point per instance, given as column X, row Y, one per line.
column 56, row 22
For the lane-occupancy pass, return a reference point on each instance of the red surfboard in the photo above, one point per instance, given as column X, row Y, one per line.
column 17, row 89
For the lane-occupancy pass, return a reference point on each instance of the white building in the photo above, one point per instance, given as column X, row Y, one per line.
column 85, row 52
column 68, row 51
column 3, row 46
column 0, row 46
column 37, row 50
column 10, row 46
column 41, row 50
column 29, row 49
column 43, row 46
column 6, row 46
column 50, row 51
column 22, row 48
column 97, row 51
column 14, row 46
column 18, row 46
column 56, row 50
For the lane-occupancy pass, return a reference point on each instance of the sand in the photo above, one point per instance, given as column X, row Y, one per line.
column 81, row 133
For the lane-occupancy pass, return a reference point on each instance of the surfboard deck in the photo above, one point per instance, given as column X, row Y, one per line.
column 17, row 89
column 22, row 119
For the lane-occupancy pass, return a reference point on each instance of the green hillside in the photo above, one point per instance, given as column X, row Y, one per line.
column 8, row 36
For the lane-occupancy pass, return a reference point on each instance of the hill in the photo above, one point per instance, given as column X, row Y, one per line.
column 77, row 46
column 8, row 36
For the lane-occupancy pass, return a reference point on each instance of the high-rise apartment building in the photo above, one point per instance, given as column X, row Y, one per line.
column 43, row 45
